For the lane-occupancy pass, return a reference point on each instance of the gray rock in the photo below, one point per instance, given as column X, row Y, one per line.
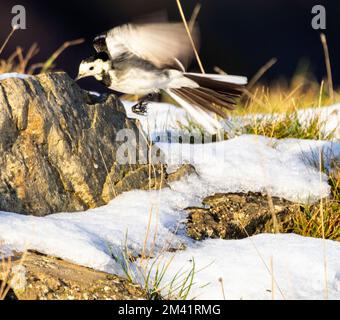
column 34, row 276
column 58, row 147
column 237, row 215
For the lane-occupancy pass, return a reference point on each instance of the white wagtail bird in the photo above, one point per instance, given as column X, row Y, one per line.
column 146, row 59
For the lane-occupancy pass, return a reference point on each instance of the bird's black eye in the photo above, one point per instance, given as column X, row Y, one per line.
column 92, row 68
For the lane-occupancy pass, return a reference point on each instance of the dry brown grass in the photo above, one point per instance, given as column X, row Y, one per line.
column 321, row 220
column 20, row 61
column 285, row 97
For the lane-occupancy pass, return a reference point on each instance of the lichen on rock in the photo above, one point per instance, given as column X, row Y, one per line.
column 34, row 276
column 236, row 215
column 58, row 147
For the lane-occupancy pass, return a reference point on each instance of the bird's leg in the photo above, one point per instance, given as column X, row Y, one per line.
column 142, row 105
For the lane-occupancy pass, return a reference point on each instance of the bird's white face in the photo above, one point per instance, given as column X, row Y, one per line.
column 92, row 69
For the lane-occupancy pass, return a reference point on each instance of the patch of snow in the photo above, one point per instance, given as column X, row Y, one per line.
column 164, row 117
column 6, row 250
column 285, row 168
column 4, row 76
column 328, row 118
column 254, row 163
column 246, row 163
column 244, row 266
column 90, row 238
column 160, row 118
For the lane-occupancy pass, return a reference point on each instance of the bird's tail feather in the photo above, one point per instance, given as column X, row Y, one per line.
column 215, row 94
column 226, row 78
column 203, row 118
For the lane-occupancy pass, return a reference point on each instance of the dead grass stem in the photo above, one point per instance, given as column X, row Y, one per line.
column 328, row 66
column 7, row 39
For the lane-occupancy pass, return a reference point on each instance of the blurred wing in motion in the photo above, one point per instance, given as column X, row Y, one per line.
column 159, row 43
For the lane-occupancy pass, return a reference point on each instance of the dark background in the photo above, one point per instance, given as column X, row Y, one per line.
column 237, row 35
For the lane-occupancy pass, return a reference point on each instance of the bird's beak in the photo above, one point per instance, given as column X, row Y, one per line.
column 80, row 76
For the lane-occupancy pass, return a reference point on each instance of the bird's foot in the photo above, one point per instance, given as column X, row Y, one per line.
column 141, row 108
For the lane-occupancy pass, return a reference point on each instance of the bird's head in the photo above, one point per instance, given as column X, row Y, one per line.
column 94, row 66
